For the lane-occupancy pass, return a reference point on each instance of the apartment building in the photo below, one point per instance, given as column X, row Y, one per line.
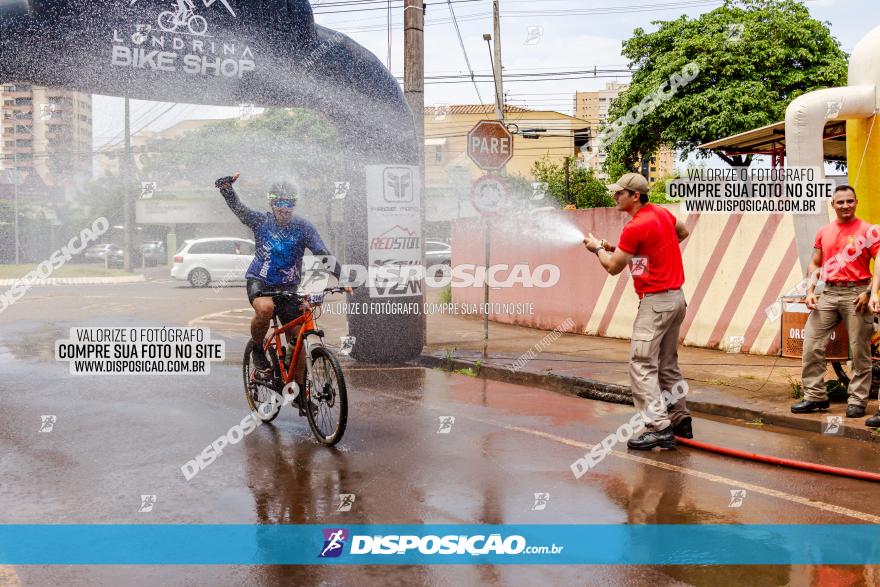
column 46, row 132
column 594, row 107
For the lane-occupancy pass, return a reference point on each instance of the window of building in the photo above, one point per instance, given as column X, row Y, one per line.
column 24, row 143
column 23, row 129
column 9, row 102
column 24, row 101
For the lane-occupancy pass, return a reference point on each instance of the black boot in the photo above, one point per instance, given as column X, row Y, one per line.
column 663, row 439
column 808, row 407
column 854, row 411
column 873, row 421
column 684, row 428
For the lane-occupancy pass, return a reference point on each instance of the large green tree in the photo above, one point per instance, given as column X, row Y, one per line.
column 754, row 57
column 585, row 190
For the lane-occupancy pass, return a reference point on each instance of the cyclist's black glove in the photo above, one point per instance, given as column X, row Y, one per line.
column 224, row 182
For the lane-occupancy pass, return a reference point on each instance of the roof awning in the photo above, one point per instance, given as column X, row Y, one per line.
column 770, row 140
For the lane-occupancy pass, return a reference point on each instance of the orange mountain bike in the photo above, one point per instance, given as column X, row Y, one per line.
column 323, row 398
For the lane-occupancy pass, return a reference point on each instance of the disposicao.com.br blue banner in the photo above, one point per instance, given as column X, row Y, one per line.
column 156, row 544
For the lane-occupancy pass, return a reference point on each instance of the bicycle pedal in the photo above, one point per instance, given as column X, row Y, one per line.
column 262, row 379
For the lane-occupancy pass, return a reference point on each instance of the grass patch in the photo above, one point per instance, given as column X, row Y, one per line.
column 446, row 294
column 756, row 422
column 450, row 359
column 796, row 388
column 96, row 270
column 471, row 371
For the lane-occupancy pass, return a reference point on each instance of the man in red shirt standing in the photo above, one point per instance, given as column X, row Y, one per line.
column 649, row 246
column 843, row 251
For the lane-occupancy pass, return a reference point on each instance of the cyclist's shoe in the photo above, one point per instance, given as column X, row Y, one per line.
column 262, row 368
column 301, row 402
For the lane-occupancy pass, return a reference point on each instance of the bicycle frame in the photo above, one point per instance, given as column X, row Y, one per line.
column 308, row 326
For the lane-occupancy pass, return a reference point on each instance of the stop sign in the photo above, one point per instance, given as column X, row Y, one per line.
column 490, row 144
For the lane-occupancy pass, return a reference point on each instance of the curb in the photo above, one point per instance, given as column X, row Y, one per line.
column 619, row 394
column 78, row 280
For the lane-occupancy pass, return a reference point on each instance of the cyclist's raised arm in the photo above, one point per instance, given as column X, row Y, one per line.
column 248, row 216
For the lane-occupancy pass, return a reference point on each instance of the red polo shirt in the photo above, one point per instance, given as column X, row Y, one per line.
column 650, row 238
column 841, row 239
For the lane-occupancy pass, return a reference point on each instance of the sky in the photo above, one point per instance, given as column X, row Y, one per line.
column 537, row 36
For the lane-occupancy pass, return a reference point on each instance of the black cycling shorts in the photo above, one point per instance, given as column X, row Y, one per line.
column 287, row 310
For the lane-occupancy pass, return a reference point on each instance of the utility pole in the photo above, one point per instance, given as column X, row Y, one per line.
column 414, row 67
column 15, row 178
column 495, row 59
column 414, row 91
column 126, row 188
column 499, row 82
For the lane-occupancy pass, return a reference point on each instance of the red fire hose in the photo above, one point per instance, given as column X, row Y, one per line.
column 854, row 474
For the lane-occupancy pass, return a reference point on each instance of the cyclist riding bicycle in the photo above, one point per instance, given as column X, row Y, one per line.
column 281, row 239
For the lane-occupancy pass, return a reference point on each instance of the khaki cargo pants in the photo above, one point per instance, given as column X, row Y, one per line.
column 836, row 304
column 653, row 362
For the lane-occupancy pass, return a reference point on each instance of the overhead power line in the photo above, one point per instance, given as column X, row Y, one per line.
column 464, row 51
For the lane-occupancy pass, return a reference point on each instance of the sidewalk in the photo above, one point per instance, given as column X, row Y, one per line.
column 753, row 388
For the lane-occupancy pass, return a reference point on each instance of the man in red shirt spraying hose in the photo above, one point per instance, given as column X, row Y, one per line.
column 649, row 246
column 841, row 258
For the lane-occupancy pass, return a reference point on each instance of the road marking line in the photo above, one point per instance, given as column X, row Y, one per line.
column 220, row 324
column 214, row 315
column 227, row 317
column 870, row 518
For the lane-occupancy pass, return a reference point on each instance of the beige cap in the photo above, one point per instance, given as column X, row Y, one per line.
column 634, row 182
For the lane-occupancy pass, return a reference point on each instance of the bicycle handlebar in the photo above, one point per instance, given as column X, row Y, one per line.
column 295, row 294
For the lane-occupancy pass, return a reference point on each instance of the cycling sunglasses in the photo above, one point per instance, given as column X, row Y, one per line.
column 279, row 202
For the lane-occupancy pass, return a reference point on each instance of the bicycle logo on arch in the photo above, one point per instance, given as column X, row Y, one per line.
column 183, row 18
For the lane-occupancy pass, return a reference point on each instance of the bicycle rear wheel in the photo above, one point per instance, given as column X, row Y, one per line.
column 262, row 399
column 327, row 398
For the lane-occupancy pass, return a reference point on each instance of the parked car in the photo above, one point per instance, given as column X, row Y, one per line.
column 153, row 253
column 96, row 253
column 116, row 257
column 204, row 260
column 437, row 253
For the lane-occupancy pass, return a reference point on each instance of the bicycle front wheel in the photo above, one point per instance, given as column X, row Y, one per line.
column 197, row 25
column 327, row 398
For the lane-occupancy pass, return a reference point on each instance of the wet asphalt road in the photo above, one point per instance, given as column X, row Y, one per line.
column 117, row 438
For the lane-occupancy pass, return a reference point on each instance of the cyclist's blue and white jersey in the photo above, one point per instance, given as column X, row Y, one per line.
column 279, row 249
